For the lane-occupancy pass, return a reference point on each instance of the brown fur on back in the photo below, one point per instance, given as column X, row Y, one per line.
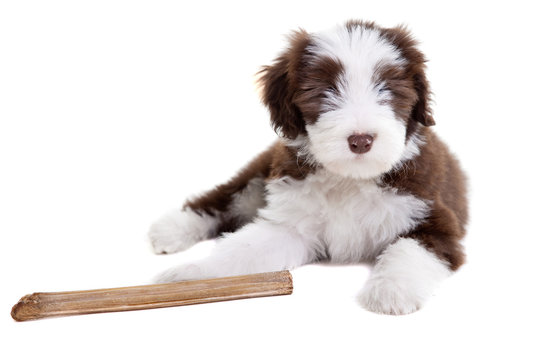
column 435, row 176
column 276, row 162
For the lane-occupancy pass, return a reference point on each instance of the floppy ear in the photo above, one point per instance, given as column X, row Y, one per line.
column 422, row 111
column 279, row 83
column 403, row 40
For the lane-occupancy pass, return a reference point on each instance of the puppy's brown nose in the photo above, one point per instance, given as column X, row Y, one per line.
column 360, row 144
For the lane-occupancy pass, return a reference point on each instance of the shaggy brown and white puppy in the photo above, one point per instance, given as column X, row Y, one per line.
column 356, row 175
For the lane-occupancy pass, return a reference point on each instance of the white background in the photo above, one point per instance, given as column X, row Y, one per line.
column 112, row 112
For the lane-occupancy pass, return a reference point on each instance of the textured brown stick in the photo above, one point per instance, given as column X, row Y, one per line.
column 42, row 305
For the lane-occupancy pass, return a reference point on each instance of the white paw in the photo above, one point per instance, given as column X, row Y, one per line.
column 384, row 296
column 179, row 230
column 404, row 278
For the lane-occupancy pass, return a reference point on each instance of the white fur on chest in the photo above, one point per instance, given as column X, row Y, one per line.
column 345, row 219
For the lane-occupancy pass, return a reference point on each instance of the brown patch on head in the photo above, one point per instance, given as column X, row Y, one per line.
column 294, row 87
column 395, row 79
column 317, row 78
column 415, row 72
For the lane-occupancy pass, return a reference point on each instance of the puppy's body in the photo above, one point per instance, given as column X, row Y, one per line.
column 356, row 175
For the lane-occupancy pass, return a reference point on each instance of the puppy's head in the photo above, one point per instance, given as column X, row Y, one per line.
column 354, row 97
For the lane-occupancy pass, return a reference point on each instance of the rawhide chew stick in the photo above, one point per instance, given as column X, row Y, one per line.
column 42, row 305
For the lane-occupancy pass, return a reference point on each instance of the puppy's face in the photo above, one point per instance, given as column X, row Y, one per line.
column 352, row 98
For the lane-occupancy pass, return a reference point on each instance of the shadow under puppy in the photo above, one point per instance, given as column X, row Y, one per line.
column 356, row 175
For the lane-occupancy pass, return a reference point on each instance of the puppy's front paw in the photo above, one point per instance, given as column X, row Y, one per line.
column 179, row 230
column 385, row 296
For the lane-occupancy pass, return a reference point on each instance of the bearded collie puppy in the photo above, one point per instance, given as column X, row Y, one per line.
column 356, row 175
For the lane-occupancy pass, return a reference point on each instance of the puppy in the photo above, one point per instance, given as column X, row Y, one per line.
column 355, row 176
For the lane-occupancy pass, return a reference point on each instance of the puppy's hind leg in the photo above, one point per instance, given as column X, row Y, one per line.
column 257, row 247
column 225, row 208
column 180, row 229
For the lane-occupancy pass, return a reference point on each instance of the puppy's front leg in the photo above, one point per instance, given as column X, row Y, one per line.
column 404, row 277
column 257, row 247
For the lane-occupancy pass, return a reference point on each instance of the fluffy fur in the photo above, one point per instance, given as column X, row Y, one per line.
column 311, row 196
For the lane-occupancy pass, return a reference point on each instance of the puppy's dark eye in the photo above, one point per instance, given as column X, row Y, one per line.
column 332, row 90
column 383, row 89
